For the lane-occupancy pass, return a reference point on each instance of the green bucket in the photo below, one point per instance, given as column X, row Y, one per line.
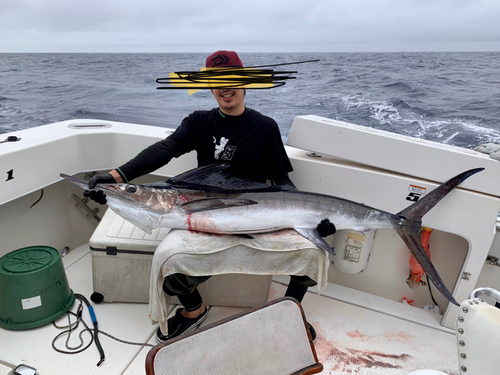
column 34, row 289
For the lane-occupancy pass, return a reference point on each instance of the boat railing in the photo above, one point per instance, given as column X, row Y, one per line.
column 484, row 291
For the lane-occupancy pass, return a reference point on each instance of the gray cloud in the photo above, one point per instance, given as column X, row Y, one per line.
column 248, row 26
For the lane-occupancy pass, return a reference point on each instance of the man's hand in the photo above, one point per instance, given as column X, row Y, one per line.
column 98, row 196
column 326, row 228
column 101, row 179
column 491, row 149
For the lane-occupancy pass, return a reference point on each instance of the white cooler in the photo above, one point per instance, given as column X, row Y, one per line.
column 121, row 267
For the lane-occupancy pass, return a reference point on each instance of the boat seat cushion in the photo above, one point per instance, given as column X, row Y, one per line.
column 269, row 340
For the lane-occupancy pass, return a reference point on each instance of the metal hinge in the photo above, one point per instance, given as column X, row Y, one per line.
column 492, row 261
column 82, row 203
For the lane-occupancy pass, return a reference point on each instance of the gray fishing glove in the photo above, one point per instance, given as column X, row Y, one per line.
column 491, row 149
column 98, row 196
column 326, row 228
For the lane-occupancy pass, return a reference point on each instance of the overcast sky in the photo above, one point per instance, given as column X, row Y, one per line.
column 249, row 26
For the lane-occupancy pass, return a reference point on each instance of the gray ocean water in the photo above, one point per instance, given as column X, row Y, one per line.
column 451, row 98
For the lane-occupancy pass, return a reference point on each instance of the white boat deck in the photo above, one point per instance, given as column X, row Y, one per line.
column 351, row 339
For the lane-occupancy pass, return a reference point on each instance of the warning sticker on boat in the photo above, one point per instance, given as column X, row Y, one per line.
column 354, row 246
column 417, row 189
column 31, row 303
column 352, row 254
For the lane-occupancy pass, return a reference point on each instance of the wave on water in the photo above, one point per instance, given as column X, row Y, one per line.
column 445, row 97
column 402, row 118
column 401, row 86
column 4, row 98
column 105, row 116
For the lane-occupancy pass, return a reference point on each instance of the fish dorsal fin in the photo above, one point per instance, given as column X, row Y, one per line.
column 207, row 204
column 217, row 176
column 312, row 235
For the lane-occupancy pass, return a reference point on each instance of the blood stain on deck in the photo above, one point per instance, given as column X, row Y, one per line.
column 349, row 361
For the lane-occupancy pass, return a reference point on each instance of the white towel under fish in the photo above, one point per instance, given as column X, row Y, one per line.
column 283, row 252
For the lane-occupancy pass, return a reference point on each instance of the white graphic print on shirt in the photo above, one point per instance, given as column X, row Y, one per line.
column 222, row 150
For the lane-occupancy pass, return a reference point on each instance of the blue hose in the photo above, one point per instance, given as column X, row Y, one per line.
column 94, row 322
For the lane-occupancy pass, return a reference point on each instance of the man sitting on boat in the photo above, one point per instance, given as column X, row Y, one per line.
column 231, row 133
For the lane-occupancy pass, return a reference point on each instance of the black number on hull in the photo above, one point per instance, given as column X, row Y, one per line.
column 413, row 197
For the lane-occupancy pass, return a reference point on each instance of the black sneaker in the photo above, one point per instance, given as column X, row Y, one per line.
column 179, row 325
column 312, row 331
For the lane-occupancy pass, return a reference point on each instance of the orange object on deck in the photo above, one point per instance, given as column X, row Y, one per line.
column 416, row 269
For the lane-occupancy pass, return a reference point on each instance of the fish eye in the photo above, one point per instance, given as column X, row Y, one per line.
column 131, row 189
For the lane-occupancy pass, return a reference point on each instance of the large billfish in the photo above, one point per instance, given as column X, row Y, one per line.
column 207, row 199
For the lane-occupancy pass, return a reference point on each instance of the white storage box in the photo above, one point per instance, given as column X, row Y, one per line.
column 121, row 267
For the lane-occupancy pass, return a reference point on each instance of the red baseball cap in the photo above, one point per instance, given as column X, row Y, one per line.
column 221, row 59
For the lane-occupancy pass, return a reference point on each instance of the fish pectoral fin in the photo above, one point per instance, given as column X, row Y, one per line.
column 207, row 204
column 312, row 235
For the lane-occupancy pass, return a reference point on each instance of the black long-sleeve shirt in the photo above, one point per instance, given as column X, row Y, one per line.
column 251, row 143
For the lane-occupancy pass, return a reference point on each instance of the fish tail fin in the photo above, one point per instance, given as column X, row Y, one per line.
column 425, row 204
column 410, row 235
column 410, row 225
